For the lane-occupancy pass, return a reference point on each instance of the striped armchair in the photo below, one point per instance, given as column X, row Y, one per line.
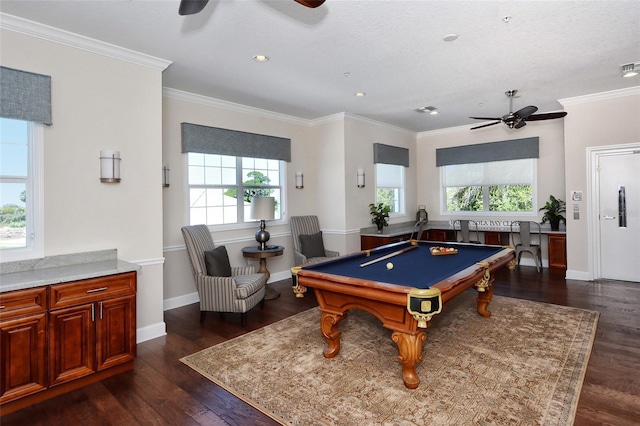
column 306, row 225
column 240, row 292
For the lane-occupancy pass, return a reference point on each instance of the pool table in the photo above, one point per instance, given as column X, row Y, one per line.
column 404, row 285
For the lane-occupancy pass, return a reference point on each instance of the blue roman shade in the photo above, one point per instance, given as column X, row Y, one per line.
column 515, row 149
column 213, row 140
column 25, row 96
column 387, row 154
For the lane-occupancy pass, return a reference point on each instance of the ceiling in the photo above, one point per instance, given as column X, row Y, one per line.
column 391, row 50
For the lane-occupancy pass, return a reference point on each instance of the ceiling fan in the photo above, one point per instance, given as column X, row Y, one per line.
column 191, row 7
column 516, row 120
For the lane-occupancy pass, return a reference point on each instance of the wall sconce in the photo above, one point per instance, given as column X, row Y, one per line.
column 299, row 180
column 165, row 175
column 262, row 209
column 360, row 178
column 110, row 166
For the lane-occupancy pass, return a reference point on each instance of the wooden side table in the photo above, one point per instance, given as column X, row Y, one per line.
column 254, row 252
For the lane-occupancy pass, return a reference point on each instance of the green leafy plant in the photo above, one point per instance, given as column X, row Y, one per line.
column 379, row 214
column 553, row 210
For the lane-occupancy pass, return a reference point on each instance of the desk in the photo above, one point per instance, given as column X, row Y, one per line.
column 405, row 297
column 255, row 252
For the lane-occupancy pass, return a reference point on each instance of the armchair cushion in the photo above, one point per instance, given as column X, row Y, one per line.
column 217, row 261
column 312, row 245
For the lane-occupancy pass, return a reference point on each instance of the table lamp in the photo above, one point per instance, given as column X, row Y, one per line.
column 262, row 209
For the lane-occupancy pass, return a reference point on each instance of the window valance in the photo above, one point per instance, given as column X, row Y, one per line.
column 213, row 140
column 515, row 149
column 388, row 154
column 25, row 96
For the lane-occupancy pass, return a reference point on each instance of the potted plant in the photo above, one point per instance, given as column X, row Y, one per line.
column 553, row 210
column 379, row 215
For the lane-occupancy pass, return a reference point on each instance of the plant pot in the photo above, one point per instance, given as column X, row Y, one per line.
column 555, row 224
column 380, row 228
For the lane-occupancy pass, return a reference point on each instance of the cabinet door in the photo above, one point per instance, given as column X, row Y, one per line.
column 22, row 356
column 557, row 251
column 116, row 328
column 72, row 342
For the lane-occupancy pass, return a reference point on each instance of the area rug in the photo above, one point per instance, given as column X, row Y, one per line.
column 523, row 366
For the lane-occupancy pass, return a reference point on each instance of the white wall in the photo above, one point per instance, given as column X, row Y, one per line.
column 98, row 103
column 611, row 118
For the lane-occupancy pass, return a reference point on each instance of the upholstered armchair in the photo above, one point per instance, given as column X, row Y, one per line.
column 308, row 246
column 221, row 288
column 527, row 237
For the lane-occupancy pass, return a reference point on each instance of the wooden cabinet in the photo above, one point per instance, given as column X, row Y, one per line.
column 557, row 251
column 496, row 238
column 368, row 242
column 86, row 332
column 441, row 235
column 22, row 343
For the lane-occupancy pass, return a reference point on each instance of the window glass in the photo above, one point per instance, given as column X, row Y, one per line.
column 498, row 186
column 216, row 180
column 390, row 186
column 20, row 190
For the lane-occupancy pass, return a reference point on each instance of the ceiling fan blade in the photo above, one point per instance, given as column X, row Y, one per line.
column 526, row 111
column 547, row 116
column 310, row 3
column 486, row 118
column 191, row 7
column 485, row 125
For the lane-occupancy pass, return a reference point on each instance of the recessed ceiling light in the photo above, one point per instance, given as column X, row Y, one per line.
column 260, row 58
column 427, row 109
column 630, row 70
column 359, row 94
column 506, row 18
column 450, row 37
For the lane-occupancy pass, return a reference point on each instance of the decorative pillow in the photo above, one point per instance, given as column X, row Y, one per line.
column 312, row 245
column 217, row 261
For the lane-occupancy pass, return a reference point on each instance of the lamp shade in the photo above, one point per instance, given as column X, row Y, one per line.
column 263, row 208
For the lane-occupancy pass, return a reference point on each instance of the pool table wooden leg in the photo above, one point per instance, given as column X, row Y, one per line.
column 329, row 324
column 484, row 298
column 409, row 355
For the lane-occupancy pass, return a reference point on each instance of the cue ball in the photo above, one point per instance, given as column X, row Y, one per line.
column 389, row 266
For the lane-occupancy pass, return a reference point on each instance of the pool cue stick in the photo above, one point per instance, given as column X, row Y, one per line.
column 388, row 256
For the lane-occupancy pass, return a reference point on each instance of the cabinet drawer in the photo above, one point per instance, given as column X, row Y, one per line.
column 21, row 302
column 78, row 292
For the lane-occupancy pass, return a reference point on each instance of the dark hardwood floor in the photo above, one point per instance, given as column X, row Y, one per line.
column 163, row 391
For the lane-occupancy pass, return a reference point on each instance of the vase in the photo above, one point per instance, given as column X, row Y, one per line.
column 380, row 228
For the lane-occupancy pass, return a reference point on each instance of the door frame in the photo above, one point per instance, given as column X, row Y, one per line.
column 593, row 155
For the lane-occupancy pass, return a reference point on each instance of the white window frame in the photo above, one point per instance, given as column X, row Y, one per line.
column 35, row 199
column 401, row 189
column 485, row 211
column 242, row 223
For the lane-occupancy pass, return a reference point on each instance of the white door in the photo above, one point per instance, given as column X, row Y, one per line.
column 619, row 215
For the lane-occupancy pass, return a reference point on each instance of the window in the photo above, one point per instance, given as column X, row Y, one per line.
column 216, row 180
column 497, row 186
column 21, row 218
column 390, row 186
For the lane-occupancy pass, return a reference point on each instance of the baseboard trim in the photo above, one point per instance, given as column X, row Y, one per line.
column 179, row 301
column 151, row 332
column 578, row 275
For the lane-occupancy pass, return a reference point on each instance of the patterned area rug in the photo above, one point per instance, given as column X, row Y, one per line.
column 523, row 366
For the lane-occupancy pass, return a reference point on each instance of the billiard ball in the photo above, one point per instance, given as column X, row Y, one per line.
column 389, row 266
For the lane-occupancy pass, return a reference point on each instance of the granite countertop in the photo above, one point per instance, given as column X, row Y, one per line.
column 61, row 269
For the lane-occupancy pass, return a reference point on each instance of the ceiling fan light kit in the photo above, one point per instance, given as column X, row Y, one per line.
column 518, row 119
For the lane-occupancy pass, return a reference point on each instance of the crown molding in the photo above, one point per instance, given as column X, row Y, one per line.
column 218, row 103
column 56, row 35
column 612, row 94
